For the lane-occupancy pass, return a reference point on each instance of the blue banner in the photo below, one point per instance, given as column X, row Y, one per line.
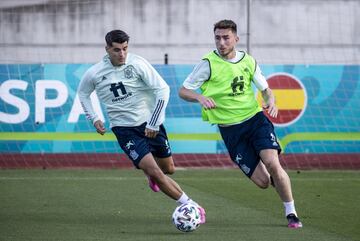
column 41, row 113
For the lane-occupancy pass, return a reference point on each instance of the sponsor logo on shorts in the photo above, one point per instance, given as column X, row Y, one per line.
column 129, row 144
column 167, row 147
column 238, row 158
column 245, row 168
column 134, row 155
column 273, row 139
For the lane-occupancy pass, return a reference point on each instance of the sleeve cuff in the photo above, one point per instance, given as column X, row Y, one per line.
column 95, row 120
column 155, row 128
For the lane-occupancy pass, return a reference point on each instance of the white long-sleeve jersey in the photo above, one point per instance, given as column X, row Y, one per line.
column 132, row 93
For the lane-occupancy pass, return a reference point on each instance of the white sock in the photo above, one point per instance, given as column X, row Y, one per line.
column 289, row 208
column 184, row 199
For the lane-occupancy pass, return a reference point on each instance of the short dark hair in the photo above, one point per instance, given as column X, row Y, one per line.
column 117, row 36
column 225, row 24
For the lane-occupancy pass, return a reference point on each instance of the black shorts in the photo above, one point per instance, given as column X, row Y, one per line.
column 136, row 145
column 244, row 141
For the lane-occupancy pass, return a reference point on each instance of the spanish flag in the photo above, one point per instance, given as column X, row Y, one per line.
column 290, row 98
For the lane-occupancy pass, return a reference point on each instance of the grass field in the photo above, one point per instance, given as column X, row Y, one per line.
column 111, row 205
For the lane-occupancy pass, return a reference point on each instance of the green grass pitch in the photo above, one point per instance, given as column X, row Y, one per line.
column 49, row 205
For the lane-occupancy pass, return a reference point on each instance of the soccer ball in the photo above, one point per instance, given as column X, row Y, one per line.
column 186, row 217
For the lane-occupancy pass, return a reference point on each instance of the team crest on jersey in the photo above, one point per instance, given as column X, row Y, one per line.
column 129, row 72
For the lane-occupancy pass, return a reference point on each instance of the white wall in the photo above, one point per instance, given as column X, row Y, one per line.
column 282, row 31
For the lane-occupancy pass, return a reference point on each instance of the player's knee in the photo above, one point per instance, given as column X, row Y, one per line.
column 167, row 165
column 263, row 184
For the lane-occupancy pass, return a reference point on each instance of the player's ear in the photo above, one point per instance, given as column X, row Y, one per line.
column 237, row 38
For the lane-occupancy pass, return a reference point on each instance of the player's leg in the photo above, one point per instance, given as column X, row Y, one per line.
column 282, row 184
column 261, row 176
column 152, row 170
column 166, row 164
column 160, row 148
column 281, row 179
column 265, row 144
column 241, row 151
column 165, row 183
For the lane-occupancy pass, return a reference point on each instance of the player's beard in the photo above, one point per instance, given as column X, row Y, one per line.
column 121, row 61
column 226, row 54
column 116, row 61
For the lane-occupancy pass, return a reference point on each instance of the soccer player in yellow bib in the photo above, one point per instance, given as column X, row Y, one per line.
column 224, row 77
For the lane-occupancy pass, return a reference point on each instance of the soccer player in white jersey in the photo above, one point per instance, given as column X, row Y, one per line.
column 135, row 97
column 224, row 77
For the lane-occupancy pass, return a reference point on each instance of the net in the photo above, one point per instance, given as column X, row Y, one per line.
column 308, row 50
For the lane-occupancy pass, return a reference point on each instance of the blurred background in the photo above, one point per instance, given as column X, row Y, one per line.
column 309, row 46
column 273, row 31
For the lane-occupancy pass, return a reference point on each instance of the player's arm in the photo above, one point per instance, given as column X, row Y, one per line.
column 192, row 96
column 199, row 75
column 266, row 93
column 162, row 93
column 86, row 87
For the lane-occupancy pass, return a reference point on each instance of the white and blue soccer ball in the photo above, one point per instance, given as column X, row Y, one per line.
column 186, row 217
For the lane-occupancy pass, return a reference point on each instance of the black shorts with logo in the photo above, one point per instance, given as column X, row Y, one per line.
column 244, row 141
column 136, row 145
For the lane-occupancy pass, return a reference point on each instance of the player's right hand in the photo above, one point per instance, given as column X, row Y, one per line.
column 206, row 102
column 99, row 125
column 150, row 133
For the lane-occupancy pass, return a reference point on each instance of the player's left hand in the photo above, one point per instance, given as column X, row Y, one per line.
column 150, row 133
column 269, row 102
column 271, row 109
